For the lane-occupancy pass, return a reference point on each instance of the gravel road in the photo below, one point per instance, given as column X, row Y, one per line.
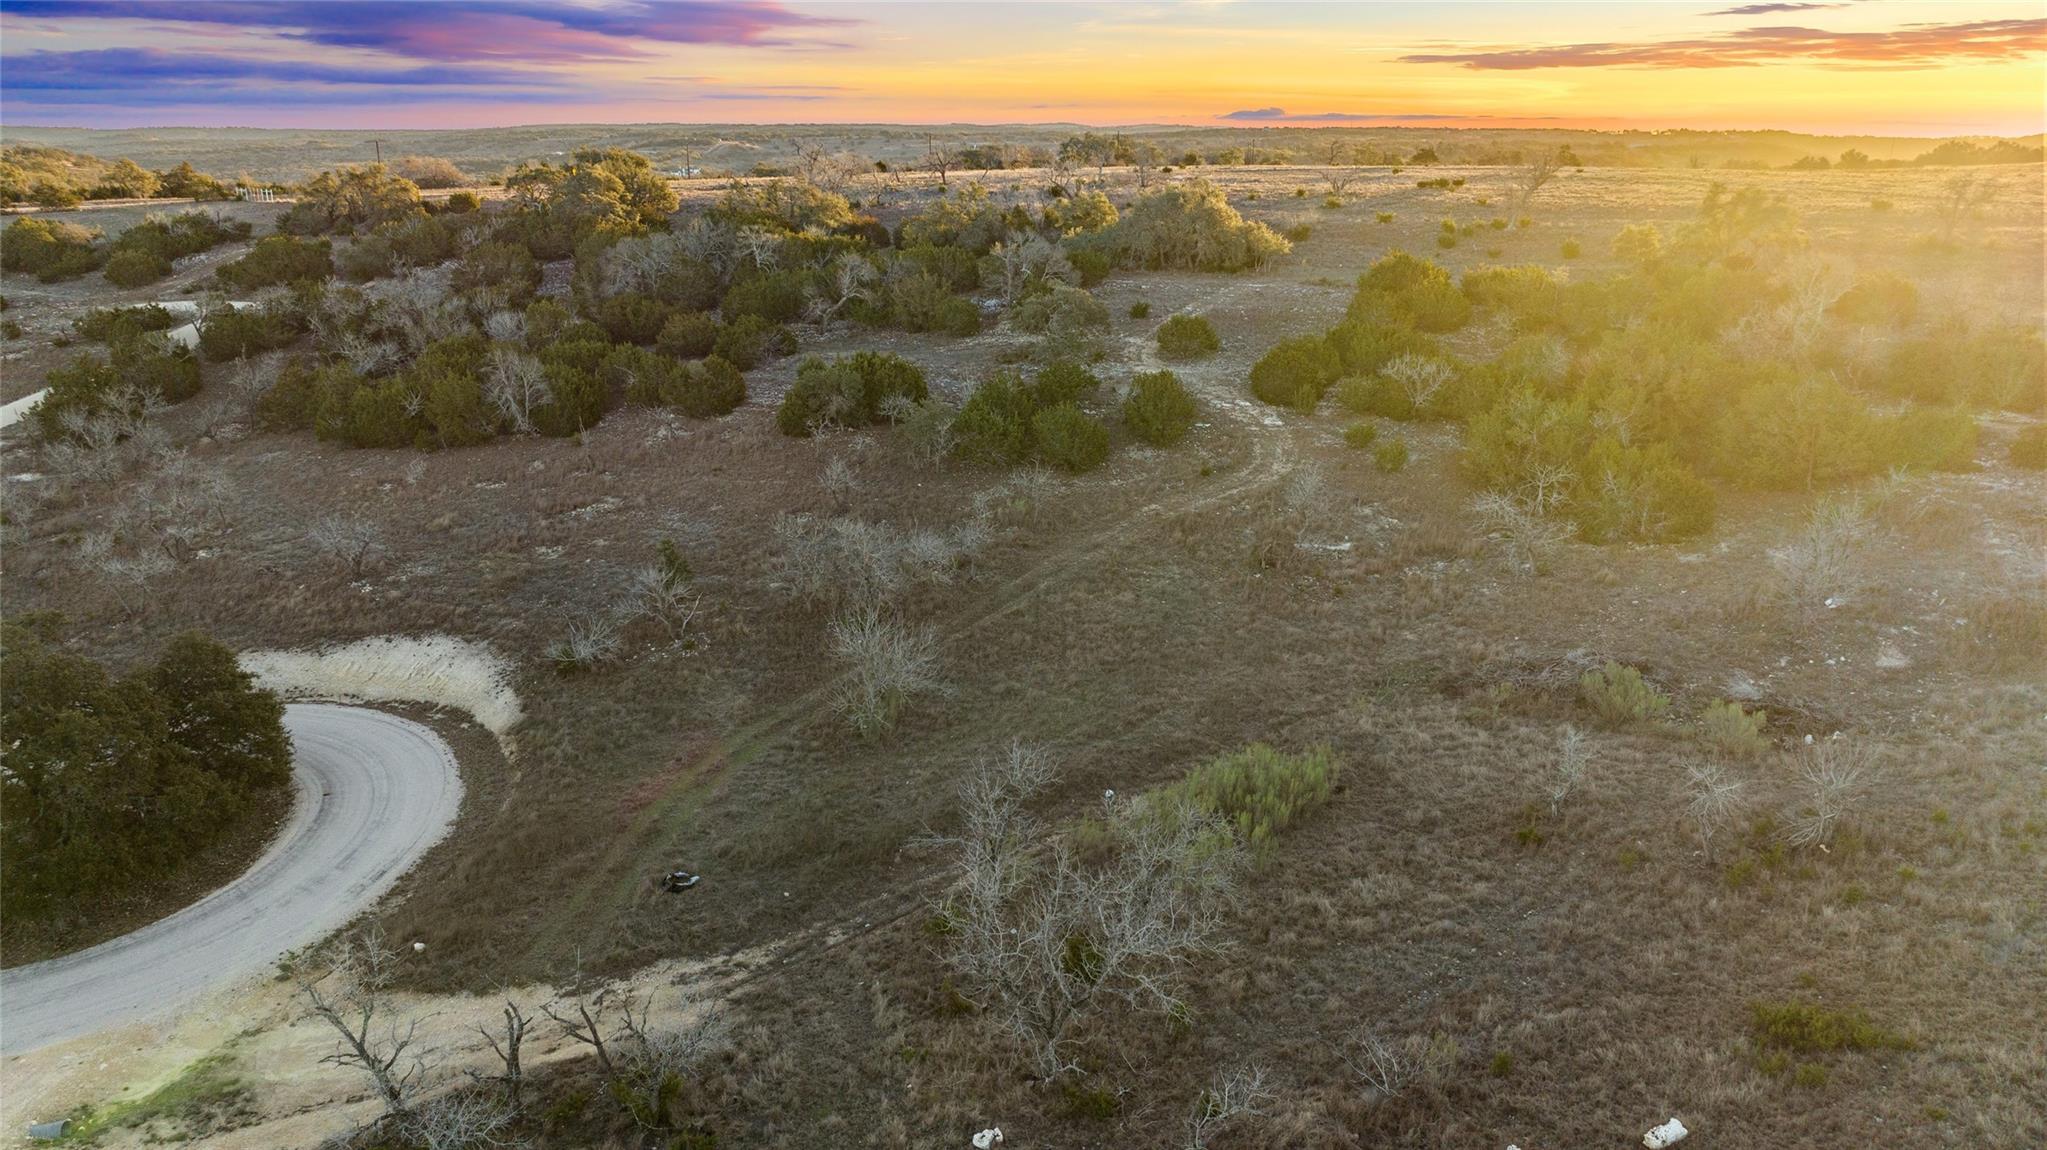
column 374, row 792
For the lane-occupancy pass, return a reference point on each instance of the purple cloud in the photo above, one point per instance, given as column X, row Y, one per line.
column 1279, row 115
column 1766, row 9
column 466, row 29
column 119, row 75
column 1914, row 46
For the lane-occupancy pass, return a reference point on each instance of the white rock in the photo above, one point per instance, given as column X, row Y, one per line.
column 417, row 947
column 989, row 1137
column 1669, row 1133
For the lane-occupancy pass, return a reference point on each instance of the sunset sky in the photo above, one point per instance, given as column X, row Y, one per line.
column 1877, row 66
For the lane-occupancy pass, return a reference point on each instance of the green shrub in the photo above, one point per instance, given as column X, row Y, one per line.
column 1189, row 227
column 1067, row 437
column 1390, row 456
column 1385, row 217
column 50, row 250
column 994, row 425
column 111, row 325
column 631, row 318
column 848, row 392
column 1807, row 1028
column 1140, row 309
column 2029, row 448
column 1063, row 381
column 749, row 341
column 1295, row 373
column 279, row 260
column 1571, row 249
column 497, row 275
column 132, row 269
column 232, row 333
column 1619, row 695
column 1994, row 365
column 1729, row 729
column 1359, row 436
column 1159, row 410
column 1187, row 337
column 1926, row 439
column 1446, row 240
column 688, row 335
column 1262, row 791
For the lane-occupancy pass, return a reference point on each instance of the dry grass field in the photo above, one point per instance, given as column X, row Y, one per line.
column 1558, row 974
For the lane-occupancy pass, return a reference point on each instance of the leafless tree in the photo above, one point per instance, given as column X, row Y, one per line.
column 810, row 161
column 852, row 278
column 653, row 1063
column 589, row 640
column 1527, row 538
column 505, row 326
column 1340, row 179
column 1419, row 378
column 351, row 540
column 505, row 1042
column 938, row 157
column 350, row 992
column 1959, row 197
column 516, row 385
column 850, row 562
column 127, row 575
column 1834, row 777
column 1390, row 1067
column 1713, row 801
column 760, row 247
column 460, row 1121
column 1153, row 908
column 1231, row 1094
column 838, row 481
column 1531, row 177
column 580, row 1024
column 1146, row 157
column 1568, row 770
column 888, row 662
column 1025, row 261
column 657, row 594
column 178, row 504
column 1825, row 562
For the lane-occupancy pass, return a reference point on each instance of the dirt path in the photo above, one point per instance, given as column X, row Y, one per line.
column 375, row 791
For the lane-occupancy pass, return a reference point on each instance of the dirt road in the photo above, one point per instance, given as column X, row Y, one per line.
column 375, row 791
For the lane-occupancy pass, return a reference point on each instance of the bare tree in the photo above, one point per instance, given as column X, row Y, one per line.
column 1025, row 261
column 1419, row 378
column 589, row 640
column 1825, row 562
column 1231, row 1094
column 580, row 1024
column 516, row 385
column 838, row 481
column 852, row 278
column 1713, row 801
column 352, row 995
column 351, row 540
column 1340, row 179
column 656, row 593
column 1834, row 777
column 505, row 1042
column 1959, row 197
column 653, row 1064
column 461, row 1121
column 1530, row 178
column 888, row 662
column 1143, row 916
column 810, row 160
column 1527, row 538
column 1568, row 770
column 1390, row 1067
column 939, row 158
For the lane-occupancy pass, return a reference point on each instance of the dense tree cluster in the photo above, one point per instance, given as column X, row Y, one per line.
column 114, row 780
column 54, row 178
column 1719, row 355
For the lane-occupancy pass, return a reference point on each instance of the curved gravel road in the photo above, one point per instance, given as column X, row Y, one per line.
column 374, row 792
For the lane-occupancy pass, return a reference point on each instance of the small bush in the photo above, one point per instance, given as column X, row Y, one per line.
column 1727, row 728
column 131, row 269
column 50, row 250
column 1262, row 791
column 1140, row 309
column 280, row 260
column 1807, row 1028
column 1187, row 337
column 688, row 335
column 1159, row 409
column 1391, row 456
column 1068, row 437
column 1571, row 249
column 749, row 341
column 1446, row 240
column 1619, row 695
column 1359, row 436
column 1385, row 217
column 1296, row 373
column 849, row 392
column 233, row 333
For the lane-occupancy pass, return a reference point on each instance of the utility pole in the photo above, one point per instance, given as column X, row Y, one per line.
column 379, row 145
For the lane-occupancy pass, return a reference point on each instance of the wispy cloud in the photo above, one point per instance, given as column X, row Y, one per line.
column 1281, row 115
column 113, row 75
column 1913, row 46
column 456, row 30
column 1767, row 9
